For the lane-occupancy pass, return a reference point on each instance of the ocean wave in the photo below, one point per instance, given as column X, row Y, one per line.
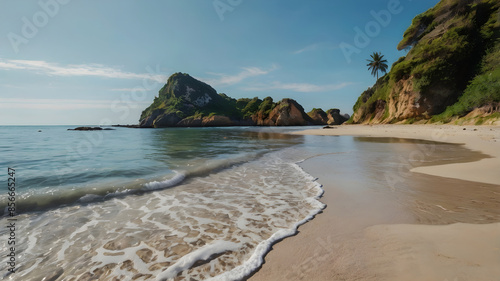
column 53, row 197
column 156, row 185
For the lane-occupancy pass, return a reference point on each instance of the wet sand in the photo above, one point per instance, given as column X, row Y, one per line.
column 383, row 222
column 485, row 139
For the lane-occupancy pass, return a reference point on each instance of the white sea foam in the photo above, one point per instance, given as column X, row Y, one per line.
column 89, row 198
column 257, row 258
column 201, row 254
column 218, row 225
column 155, row 185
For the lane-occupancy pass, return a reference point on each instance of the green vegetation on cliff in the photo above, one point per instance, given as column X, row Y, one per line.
column 483, row 90
column 185, row 96
column 248, row 107
column 452, row 66
column 187, row 102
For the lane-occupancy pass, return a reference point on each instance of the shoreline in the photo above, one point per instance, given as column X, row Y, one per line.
column 370, row 235
column 485, row 139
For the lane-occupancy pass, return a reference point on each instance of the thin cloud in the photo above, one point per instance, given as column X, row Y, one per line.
column 127, row 89
column 10, row 86
column 65, row 104
column 99, row 70
column 300, row 87
column 306, row 49
column 316, row 46
column 247, row 72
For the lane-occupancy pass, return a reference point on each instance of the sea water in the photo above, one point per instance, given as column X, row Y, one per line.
column 153, row 204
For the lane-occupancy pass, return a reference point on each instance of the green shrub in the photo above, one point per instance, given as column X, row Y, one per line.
column 266, row 106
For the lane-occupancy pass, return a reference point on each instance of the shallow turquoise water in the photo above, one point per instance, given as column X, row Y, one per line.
column 63, row 166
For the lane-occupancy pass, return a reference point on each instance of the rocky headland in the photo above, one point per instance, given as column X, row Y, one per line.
column 187, row 102
column 451, row 72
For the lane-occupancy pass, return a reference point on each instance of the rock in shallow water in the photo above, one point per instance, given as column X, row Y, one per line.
column 90, row 129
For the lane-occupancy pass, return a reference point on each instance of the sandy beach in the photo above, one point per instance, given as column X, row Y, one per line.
column 438, row 222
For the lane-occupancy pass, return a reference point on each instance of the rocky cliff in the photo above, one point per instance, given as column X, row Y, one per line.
column 331, row 117
column 187, row 102
column 452, row 68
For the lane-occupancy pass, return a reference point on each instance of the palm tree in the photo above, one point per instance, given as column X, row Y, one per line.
column 377, row 63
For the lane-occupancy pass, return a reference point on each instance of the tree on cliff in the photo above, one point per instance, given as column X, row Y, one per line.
column 377, row 63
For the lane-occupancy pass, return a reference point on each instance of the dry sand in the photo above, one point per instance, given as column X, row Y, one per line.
column 443, row 225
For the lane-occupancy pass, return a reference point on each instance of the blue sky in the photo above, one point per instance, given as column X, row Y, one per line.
column 79, row 62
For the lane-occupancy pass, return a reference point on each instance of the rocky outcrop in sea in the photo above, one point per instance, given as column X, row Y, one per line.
column 187, row 102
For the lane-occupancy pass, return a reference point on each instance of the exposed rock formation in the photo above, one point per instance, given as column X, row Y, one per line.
column 187, row 102
column 318, row 116
column 167, row 120
column 451, row 69
column 89, row 129
column 335, row 118
column 288, row 113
